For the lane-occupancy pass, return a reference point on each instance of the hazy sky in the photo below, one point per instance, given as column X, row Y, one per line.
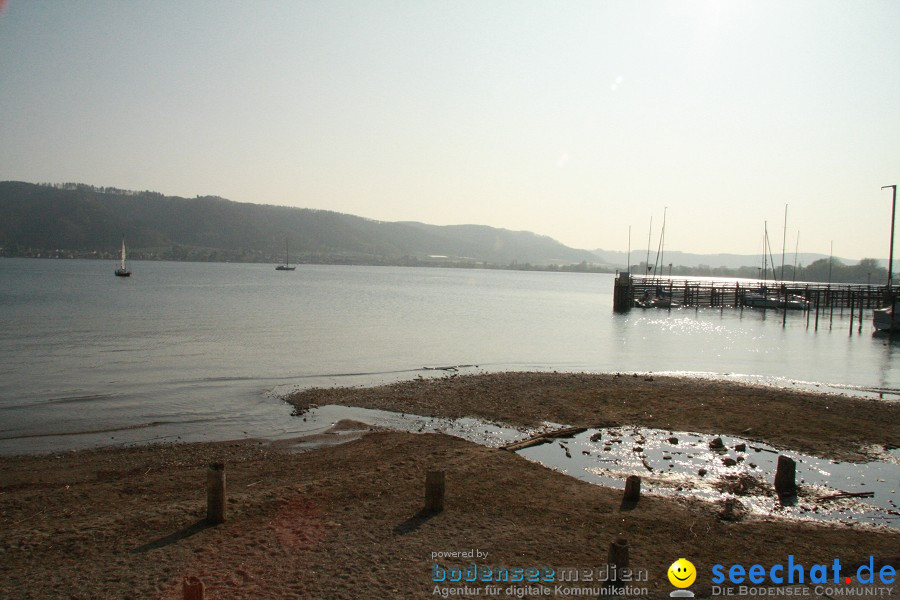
column 570, row 119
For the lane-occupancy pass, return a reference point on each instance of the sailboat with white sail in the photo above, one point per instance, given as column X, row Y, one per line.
column 123, row 271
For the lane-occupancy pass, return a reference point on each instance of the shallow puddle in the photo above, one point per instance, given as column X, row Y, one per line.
column 683, row 463
column 737, row 477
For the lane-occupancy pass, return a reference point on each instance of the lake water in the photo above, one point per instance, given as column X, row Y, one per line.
column 197, row 351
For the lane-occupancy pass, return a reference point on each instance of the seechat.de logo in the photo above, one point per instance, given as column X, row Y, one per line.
column 682, row 574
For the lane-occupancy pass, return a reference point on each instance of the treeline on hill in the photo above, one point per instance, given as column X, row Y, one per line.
column 77, row 220
column 73, row 220
column 867, row 271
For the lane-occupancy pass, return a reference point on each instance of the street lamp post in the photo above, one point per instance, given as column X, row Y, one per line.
column 891, row 255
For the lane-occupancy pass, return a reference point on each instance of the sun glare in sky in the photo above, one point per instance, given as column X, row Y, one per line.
column 574, row 120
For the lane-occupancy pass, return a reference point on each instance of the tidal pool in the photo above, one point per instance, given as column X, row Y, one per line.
column 738, row 476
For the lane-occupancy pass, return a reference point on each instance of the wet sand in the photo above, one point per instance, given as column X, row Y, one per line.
column 344, row 521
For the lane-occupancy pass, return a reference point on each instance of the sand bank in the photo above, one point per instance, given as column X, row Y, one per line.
column 826, row 425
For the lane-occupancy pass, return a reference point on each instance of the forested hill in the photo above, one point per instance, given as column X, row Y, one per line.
column 81, row 220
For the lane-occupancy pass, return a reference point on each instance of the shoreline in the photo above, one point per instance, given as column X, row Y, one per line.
column 345, row 520
column 528, row 389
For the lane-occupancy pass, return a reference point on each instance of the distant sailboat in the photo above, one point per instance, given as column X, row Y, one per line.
column 122, row 271
column 286, row 266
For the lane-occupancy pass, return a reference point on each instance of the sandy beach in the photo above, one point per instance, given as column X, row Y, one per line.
column 345, row 521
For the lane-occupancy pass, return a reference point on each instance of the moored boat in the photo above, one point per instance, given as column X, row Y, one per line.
column 286, row 266
column 760, row 298
column 661, row 299
column 793, row 302
column 887, row 318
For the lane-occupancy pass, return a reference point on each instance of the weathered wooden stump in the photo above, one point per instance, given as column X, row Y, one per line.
column 617, row 559
column 785, row 477
column 632, row 488
column 215, row 494
column 192, row 588
column 434, row 491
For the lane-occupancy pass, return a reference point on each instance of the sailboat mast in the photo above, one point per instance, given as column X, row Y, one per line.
column 830, row 261
column 659, row 249
column 629, row 249
column 123, row 254
column 649, row 235
column 662, row 242
column 771, row 258
column 783, row 241
column 891, row 254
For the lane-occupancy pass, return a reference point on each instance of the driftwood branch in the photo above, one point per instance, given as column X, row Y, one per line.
column 526, row 443
column 848, row 495
column 543, row 438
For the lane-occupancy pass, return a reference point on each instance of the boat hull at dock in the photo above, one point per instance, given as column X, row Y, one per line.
column 757, row 300
column 887, row 319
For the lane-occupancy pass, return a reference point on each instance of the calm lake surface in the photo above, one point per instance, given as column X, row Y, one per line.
column 197, row 351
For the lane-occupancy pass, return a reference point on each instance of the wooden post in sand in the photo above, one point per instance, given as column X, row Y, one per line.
column 192, row 588
column 785, row 477
column 434, row 491
column 617, row 560
column 215, row 494
column 633, row 488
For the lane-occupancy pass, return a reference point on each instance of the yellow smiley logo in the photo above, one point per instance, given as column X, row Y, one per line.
column 682, row 573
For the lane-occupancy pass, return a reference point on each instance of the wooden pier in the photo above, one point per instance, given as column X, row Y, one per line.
column 813, row 297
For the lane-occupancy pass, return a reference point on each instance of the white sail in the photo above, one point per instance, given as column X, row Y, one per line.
column 122, row 271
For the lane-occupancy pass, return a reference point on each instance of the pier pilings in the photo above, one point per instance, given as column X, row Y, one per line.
column 635, row 290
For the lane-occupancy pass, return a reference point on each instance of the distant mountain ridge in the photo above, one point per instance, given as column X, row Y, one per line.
column 77, row 220
column 83, row 220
